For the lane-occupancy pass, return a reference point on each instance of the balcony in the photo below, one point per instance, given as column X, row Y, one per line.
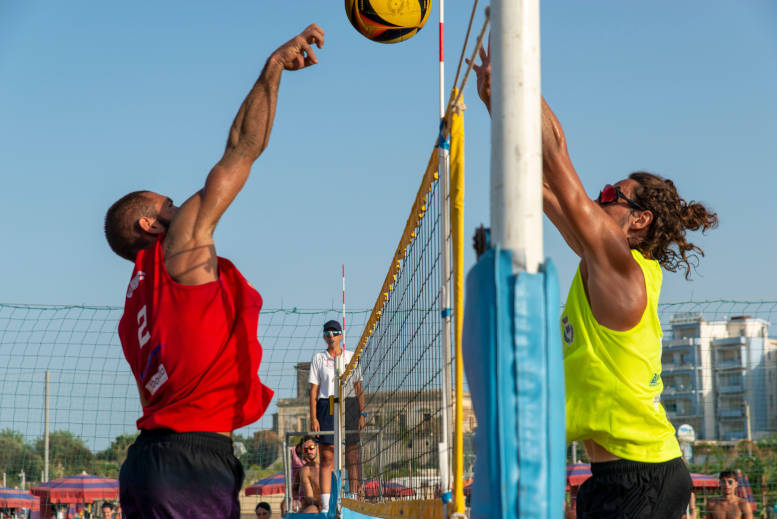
column 735, row 412
column 687, row 391
column 677, row 367
column 679, row 345
column 727, row 342
column 730, row 389
column 681, row 414
column 733, row 435
column 730, row 364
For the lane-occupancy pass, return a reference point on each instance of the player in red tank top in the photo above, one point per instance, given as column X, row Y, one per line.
column 189, row 324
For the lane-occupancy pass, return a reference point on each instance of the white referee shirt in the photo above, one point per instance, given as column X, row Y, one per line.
column 322, row 374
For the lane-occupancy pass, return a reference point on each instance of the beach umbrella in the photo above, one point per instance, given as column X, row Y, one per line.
column 577, row 473
column 389, row 489
column 704, row 481
column 273, row 484
column 83, row 488
column 15, row 498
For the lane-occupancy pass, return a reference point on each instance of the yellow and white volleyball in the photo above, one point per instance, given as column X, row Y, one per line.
column 388, row 21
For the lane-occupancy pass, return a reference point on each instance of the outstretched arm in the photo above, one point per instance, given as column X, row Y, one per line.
column 587, row 229
column 189, row 249
column 550, row 203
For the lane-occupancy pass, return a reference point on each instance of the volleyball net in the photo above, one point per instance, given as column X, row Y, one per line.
column 719, row 376
column 406, row 357
column 93, row 402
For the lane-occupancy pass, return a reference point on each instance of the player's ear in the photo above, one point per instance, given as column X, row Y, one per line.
column 642, row 220
column 150, row 225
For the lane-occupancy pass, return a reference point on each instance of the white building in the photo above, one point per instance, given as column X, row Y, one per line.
column 720, row 376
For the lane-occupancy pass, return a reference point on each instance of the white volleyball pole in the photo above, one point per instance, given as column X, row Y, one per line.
column 445, row 288
column 516, row 132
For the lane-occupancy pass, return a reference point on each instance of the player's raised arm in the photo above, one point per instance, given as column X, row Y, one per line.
column 189, row 249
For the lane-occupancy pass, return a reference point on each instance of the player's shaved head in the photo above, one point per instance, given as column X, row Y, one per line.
column 122, row 231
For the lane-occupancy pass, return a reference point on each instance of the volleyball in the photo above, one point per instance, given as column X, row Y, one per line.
column 388, row 21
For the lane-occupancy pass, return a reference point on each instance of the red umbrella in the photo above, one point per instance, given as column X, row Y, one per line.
column 83, row 488
column 577, row 473
column 15, row 498
column 389, row 489
column 704, row 481
column 274, row 484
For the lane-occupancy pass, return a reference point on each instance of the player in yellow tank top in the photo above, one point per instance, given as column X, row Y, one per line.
column 624, row 369
column 612, row 337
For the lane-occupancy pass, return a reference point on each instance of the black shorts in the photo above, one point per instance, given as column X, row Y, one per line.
column 630, row 489
column 180, row 475
column 326, row 421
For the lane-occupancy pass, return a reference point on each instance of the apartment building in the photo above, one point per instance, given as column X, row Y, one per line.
column 720, row 376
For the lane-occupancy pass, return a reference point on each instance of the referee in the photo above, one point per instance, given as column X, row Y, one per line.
column 322, row 381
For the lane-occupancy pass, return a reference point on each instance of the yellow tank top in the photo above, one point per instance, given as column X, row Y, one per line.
column 613, row 378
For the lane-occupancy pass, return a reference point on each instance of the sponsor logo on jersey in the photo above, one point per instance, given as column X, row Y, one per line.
column 569, row 331
column 135, row 282
column 655, row 380
column 159, row 378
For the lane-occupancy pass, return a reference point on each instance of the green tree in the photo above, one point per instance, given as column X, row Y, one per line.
column 17, row 456
column 264, row 448
column 117, row 452
column 68, row 454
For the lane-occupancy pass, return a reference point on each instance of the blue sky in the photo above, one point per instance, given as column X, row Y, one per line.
column 98, row 99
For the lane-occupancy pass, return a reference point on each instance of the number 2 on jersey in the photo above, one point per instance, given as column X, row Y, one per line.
column 143, row 335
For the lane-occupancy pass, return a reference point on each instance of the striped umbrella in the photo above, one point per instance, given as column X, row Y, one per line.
column 577, row 473
column 15, row 498
column 371, row 489
column 83, row 488
column 273, row 484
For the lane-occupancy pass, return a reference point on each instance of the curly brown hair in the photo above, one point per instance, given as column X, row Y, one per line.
column 672, row 217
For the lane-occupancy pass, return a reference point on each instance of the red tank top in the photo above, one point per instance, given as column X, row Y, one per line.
column 193, row 349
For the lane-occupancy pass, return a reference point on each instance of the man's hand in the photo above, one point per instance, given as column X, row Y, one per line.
column 483, row 72
column 314, row 426
column 297, row 53
column 361, row 423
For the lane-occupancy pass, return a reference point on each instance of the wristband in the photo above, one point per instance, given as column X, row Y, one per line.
column 363, row 414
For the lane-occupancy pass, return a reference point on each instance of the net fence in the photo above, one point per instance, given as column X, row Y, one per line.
column 93, row 399
column 719, row 375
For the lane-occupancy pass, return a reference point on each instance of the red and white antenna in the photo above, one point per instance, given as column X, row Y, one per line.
column 343, row 305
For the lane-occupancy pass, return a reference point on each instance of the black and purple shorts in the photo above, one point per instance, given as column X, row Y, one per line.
column 180, row 475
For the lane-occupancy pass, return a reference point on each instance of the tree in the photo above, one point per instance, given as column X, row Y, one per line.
column 17, row 456
column 68, row 454
column 117, row 452
column 264, row 447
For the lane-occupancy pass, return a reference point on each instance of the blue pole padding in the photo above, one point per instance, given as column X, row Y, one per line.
column 514, row 366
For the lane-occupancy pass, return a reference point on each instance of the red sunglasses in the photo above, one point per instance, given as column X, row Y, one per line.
column 610, row 195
